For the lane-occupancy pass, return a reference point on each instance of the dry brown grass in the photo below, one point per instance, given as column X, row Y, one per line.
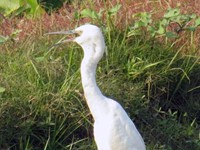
column 64, row 18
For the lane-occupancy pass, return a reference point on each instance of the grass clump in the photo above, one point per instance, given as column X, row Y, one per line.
column 39, row 105
column 155, row 82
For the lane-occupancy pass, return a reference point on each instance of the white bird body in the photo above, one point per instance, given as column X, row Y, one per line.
column 113, row 129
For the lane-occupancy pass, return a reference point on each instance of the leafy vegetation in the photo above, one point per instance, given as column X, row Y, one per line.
column 161, row 27
column 151, row 66
column 17, row 7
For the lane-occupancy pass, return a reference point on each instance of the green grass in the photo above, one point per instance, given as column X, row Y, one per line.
column 42, row 104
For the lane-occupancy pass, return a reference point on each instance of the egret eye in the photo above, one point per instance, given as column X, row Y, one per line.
column 79, row 32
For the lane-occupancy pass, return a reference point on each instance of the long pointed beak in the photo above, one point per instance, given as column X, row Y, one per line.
column 61, row 32
column 64, row 33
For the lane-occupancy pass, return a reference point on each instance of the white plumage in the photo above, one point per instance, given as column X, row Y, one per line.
column 113, row 129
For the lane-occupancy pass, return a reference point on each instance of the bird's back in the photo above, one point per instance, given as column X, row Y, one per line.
column 115, row 130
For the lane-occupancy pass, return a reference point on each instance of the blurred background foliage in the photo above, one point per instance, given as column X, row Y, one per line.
column 32, row 8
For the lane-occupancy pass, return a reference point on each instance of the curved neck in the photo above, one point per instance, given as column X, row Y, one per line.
column 88, row 73
column 92, row 93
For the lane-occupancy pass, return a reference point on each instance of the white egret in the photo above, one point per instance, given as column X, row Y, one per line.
column 113, row 129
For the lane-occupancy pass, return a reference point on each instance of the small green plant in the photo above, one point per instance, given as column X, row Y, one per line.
column 106, row 18
column 4, row 39
column 97, row 16
column 173, row 17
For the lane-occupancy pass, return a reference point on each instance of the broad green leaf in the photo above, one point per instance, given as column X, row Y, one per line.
column 8, row 6
column 2, row 89
column 152, row 30
column 3, row 39
column 146, row 18
column 20, row 10
column 39, row 59
column 18, row 6
column 191, row 28
column 161, row 29
column 33, row 3
column 36, row 10
column 193, row 16
column 140, row 24
column 172, row 13
column 197, row 22
column 114, row 9
column 89, row 13
column 164, row 22
column 143, row 19
column 171, row 35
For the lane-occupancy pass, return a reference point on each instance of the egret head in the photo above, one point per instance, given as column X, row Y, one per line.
column 89, row 37
column 88, row 34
